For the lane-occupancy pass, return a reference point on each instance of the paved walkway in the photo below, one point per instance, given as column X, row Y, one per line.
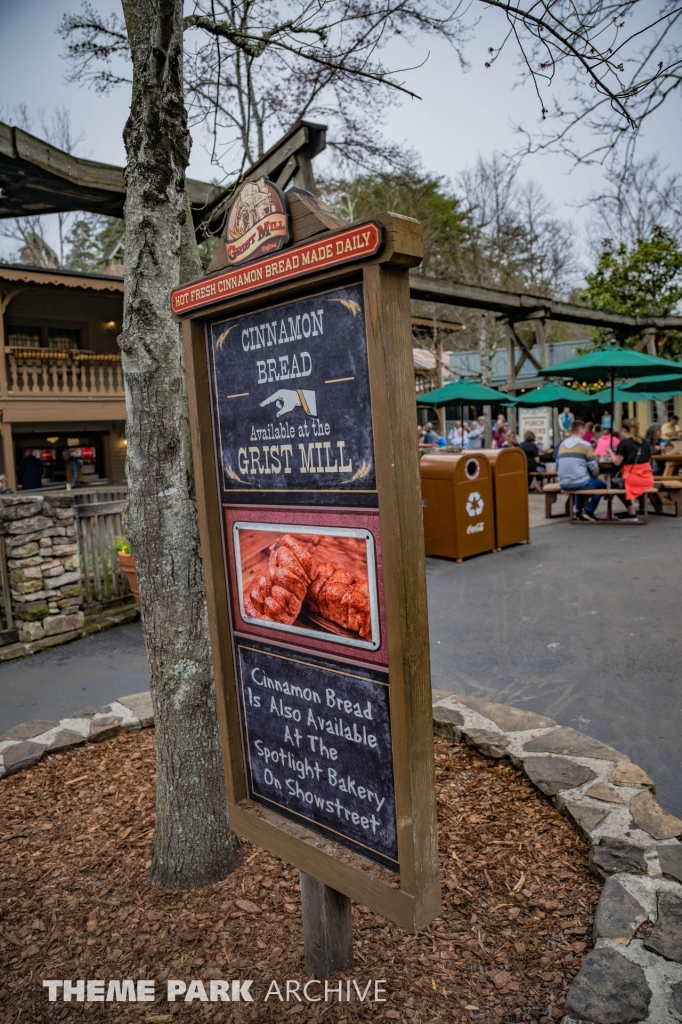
column 84, row 674
column 583, row 625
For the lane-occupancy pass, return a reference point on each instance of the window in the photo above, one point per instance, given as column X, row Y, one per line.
column 63, row 339
column 24, row 337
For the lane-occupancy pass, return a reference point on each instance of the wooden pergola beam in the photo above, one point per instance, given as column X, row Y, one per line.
column 37, row 178
column 518, row 306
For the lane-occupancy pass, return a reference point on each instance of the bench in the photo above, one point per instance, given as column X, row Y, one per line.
column 552, row 491
column 543, row 475
column 673, row 485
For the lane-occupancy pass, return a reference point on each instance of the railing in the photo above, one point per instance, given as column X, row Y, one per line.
column 51, row 372
column 100, row 494
column 98, row 524
column 425, row 380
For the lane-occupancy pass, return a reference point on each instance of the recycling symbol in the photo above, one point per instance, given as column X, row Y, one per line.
column 474, row 504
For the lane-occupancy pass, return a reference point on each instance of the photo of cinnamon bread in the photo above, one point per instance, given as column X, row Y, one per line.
column 314, row 581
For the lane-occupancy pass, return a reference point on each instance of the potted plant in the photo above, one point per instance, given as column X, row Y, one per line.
column 127, row 563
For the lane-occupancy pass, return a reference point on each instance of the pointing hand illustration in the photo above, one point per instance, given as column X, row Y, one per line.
column 286, row 401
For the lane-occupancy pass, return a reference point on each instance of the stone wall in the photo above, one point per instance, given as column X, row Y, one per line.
column 44, row 568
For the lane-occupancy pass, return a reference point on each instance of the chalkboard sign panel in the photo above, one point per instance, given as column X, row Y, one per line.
column 291, row 404
column 318, row 746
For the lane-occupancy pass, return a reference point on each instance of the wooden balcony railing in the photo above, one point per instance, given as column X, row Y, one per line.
column 76, row 373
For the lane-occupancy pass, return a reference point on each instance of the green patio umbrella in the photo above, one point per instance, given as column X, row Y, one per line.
column 670, row 383
column 611, row 362
column 551, row 394
column 624, row 394
column 462, row 392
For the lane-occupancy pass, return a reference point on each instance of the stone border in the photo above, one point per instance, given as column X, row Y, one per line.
column 119, row 616
column 634, row 972
column 26, row 744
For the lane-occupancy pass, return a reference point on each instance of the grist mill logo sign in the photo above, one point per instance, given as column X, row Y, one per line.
column 258, row 222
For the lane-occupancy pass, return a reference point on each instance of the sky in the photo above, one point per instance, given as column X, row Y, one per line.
column 459, row 116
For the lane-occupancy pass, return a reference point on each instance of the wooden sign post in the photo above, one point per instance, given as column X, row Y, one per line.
column 301, row 388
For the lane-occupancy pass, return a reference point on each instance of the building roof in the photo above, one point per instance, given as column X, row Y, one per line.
column 17, row 273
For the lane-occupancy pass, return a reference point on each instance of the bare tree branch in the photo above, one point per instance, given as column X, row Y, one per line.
column 600, row 68
column 250, row 72
column 92, row 43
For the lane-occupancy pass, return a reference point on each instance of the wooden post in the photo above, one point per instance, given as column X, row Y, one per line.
column 5, row 300
column 438, row 350
column 327, row 928
column 8, row 455
column 6, row 428
column 541, row 340
column 511, row 357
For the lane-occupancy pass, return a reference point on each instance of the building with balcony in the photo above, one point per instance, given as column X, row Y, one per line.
column 61, row 384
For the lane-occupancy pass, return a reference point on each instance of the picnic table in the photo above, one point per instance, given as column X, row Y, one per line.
column 666, row 494
column 672, row 462
column 607, row 468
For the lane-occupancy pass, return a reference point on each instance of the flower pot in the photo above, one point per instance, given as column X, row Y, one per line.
column 127, row 563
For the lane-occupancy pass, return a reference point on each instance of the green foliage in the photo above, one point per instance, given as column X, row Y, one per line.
column 413, row 194
column 122, row 544
column 95, row 242
column 643, row 280
column 207, row 247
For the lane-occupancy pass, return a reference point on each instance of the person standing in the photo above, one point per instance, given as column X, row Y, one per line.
column 577, row 468
column 566, row 419
column 477, row 433
column 30, row 471
column 72, row 468
column 634, row 455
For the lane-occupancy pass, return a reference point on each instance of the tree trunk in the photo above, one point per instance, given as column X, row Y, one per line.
column 192, row 844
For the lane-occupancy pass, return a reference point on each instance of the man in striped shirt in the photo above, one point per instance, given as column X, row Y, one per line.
column 577, row 468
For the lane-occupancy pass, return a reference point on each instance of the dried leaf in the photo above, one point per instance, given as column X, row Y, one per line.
column 248, row 906
column 520, row 883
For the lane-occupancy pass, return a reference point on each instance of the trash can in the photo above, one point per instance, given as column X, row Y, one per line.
column 457, row 505
column 509, row 468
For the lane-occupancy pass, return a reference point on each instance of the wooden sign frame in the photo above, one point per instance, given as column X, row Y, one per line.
column 411, row 897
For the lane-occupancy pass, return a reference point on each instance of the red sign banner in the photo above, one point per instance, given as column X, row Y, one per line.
column 331, row 251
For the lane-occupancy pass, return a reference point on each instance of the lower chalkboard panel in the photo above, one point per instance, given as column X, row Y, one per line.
column 317, row 740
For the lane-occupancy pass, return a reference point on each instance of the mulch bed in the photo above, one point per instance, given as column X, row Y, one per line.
column 75, row 843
